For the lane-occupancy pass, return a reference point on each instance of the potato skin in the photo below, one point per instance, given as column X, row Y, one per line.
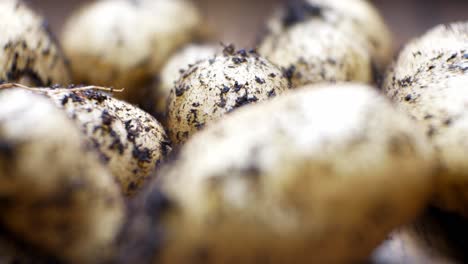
column 130, row 141
column 315, row 52
column 176, row 65
column 328, row 41
column 359, row 20
column 30, row 54
column 320, row 175
column 214, row 87
column 428, row 81
column 126, row 43
column 56, row 195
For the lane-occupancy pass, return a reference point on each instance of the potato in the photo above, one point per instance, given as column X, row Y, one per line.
column 55, row 194
column 358, row 18
column 176, row 65
column 328, row 41
column 428, row 81
column 216, row 86
column 315, row 52
column 320, row 175
column 127, row 42
column 130, row 141
column 30, row 54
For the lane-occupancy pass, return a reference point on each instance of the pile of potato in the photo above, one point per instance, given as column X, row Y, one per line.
column 285, row 153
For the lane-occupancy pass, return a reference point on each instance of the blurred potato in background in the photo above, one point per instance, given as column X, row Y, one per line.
column 238, row 21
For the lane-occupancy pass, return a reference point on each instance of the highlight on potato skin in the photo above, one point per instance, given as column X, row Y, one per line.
column 213, row 87
column 30, row 55
column 302, row 177
column 56, row 195
column 124, row 44
column 428, row 81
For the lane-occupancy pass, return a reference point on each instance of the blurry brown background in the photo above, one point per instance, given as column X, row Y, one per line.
column 238, row 21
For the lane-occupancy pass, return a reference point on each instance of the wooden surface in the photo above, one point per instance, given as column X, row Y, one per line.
column 239, row 21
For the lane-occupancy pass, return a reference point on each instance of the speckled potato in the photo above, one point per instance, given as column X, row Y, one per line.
column 130, row 141
column 320, row 175
column 358, row 19
column 428, row 81
column 213, row 87
column 176, row 65
column 315, row 51
column 127, row 42
column 56, row 195
column 29, row 54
